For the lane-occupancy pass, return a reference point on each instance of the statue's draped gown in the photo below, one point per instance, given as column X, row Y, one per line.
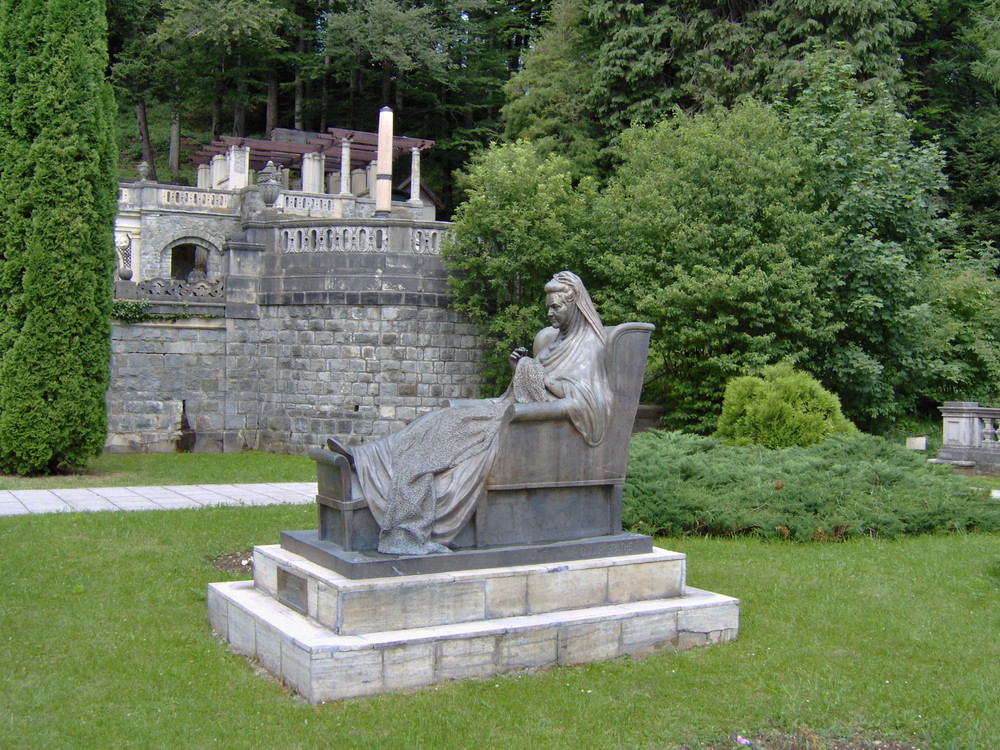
column 423, row 482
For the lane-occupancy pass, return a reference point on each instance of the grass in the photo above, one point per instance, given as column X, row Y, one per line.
column 151, row 469
column 105, row 644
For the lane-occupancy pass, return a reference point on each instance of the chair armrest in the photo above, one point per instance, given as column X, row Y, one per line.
column 539, row 412
column 470, row 401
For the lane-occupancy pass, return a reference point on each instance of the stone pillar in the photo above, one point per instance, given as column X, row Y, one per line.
column 238, row 158
column 313, row 168
column 415, row 177
column 383, row 173
column 345, row 166
column 204, row 176
column 359, row 181
column 962, row 424
column 220, row 170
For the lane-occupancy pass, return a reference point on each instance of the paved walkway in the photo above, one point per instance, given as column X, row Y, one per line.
column 16, row 502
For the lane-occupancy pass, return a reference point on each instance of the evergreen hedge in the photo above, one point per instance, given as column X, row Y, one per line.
column 780, row 409
column 847, row 485
column 58, row 200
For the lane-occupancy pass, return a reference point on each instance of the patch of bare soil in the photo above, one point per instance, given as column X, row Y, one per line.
column 803, row 739
column 238, row 563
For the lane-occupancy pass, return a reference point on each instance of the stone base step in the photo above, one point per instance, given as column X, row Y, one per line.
column 356, row 606
column 324, row 666
column 952, row 462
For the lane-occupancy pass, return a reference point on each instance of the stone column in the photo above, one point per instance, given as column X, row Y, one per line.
column 383, row 173
column 345, row 166
column 313, row 168
column 220, row 170
column 415, row 177
column 204, row 176
column 238, row 158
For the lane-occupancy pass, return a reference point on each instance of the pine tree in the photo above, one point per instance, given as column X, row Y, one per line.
column 58, row 200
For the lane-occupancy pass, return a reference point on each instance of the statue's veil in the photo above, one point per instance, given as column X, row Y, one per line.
column 583, row 301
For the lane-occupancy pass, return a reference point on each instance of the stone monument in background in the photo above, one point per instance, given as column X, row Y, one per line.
column 482, row 538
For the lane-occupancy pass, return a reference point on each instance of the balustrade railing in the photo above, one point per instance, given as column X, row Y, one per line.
column 356, row 239
column 308, row 205
column 361, row 238
column 172, row 196
column 969, row 425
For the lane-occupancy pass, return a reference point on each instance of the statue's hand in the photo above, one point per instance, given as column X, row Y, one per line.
column 516, row 356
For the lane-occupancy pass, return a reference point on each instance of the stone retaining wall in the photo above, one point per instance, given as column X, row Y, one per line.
column 286, row 380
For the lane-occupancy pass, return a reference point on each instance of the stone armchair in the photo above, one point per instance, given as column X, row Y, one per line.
column 546, row 484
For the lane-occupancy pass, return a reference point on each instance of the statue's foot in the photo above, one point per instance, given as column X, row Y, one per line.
column 336, row 447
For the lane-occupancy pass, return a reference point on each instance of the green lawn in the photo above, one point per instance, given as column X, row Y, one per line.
column 104, row 643
column 152, row 469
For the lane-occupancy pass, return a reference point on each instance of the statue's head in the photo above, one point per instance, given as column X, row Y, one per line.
column 567, row 300
column 560, row 303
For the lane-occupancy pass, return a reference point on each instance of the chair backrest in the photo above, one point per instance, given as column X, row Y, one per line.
column 552, row 452
column 626, row 352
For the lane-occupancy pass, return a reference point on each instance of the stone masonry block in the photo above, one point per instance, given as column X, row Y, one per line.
column 401, row 607
column 463, row 658
column 268, row 647
column 708, row 619
column 528, row 648
column 408, row 666
column 346, row 674
column 218, row 611
column 242, row 633
column 647, row 633
column 265, row 572
column 652, row 580
column 583, row 642
column 506, row 596
column 296, row 667
column 561, row 585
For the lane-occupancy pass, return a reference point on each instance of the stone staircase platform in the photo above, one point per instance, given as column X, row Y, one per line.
column 329, row 637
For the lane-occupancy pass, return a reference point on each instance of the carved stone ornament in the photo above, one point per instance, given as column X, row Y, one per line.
column 176, row 289
column 268, row 184
column 123, row 244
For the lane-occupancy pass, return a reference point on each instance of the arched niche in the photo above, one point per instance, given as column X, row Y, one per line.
column 191, row 259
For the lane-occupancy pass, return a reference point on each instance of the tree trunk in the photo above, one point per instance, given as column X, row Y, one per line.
column 240, row 110
column 216, row 117
column 271, row 115
column 174, row 158
column 300, row 47
column 324, row 94
column 145, row 143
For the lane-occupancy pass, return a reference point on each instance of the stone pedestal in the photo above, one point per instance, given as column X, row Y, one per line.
column 331, row 637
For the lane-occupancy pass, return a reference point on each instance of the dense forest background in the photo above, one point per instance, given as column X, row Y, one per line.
column 242, row 67
column 812, row 182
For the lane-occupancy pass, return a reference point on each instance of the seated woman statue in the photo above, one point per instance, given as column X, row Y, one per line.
column 423, row 482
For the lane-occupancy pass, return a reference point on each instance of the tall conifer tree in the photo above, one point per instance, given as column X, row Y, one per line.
column 57, row 208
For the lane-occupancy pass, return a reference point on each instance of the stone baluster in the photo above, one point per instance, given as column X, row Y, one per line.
column 989, row 432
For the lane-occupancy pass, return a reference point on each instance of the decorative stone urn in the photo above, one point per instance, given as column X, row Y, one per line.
column 268, row 184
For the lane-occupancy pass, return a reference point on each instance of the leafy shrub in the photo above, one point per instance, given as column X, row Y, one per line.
column 709, row 230
column 523, row 220
column 847, row 485
column 780, row 409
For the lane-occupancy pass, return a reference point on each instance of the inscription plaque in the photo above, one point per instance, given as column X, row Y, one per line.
column 292, row 591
